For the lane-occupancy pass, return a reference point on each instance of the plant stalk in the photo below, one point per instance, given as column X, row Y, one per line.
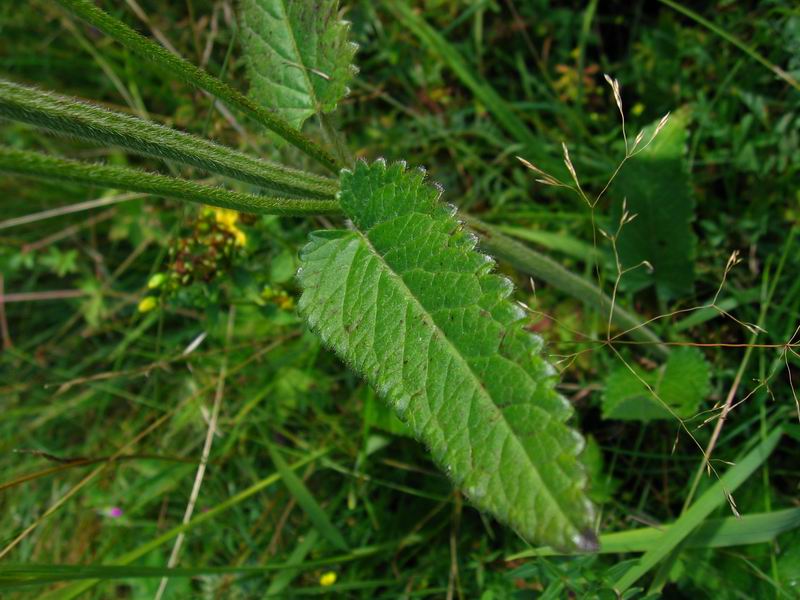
column 71, row 116
column 38, row 165
column 163, row 59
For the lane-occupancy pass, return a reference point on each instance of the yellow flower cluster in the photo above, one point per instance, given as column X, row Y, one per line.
column 147, row 304
column 279, row 297
column 227, row 219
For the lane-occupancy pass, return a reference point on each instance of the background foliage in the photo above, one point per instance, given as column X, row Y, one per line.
column 85, row 374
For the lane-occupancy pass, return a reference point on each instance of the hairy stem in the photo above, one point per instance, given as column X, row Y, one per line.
column 161, row 58
column 529, row 261
column 35, row 164
column 66, row 115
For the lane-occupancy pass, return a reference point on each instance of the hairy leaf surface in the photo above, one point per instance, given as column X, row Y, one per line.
column 408, row 303
column 657, row 188
column 299, row 59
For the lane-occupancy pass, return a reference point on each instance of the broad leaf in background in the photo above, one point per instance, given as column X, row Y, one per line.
column 681, row 383
column 408, row 303
column 299, row 59
column 657, row 188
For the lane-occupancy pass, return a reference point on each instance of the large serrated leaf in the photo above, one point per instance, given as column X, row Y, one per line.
column 657, row 188
column 299, row 59
column 408, row 303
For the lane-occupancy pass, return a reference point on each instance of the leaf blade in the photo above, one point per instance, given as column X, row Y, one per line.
column 677, row 388
column 410, row 305
column 657, row 187
column 299, row 59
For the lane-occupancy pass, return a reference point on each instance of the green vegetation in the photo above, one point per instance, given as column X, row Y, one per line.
column 173, row 428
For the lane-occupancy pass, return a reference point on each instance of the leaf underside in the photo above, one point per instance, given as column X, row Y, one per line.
column 299, row 59
column 657, row 187
column 409, row 304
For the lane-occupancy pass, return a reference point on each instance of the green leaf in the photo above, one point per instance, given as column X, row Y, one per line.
column 299, row 59
column 156, row 56
column 408, row 303
column 656, row 185
column 603, row 485
column 380, row 416
column 682, row 384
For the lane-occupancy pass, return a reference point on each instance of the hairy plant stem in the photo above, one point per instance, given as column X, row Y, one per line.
column 66, row 115
column 159, row 57
column 35, row 164
column 529, row 261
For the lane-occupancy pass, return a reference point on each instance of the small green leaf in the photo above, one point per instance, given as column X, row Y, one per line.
column 408, row 303
column 682, row 384
column 655, row 184
column 603, row 485
column 299, row 59
column 380, row 416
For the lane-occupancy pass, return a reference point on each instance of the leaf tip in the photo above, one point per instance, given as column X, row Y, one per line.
column 587, row 541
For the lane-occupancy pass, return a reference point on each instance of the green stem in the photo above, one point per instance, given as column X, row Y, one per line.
column 529, row 261
column 35, row 164
column 66, row 115
column 156, row 55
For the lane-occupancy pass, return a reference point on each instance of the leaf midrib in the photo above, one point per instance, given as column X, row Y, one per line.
column 476, row 380
column 310, row 86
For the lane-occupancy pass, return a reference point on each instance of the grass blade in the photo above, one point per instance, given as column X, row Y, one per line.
column 282, row 580
column 483, row 91
column 76, row 589
column 714, row 533
column 31, row 575
column 704, row 505
column 307, row 501
column 751, row 52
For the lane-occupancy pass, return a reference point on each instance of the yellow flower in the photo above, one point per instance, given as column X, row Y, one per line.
column 147, row 304
column 327, row 579
column 226, row 219
column 637, row 109
column 156, row 281
column 285, row 302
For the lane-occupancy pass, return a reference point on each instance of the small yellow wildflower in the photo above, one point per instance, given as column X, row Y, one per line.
column 147, row 304
column 327, row 579
column 285, row 302
column 227, row 218
column 156, row 281
column 637, row 109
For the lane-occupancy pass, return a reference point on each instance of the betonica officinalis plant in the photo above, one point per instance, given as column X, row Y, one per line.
column 399, row 281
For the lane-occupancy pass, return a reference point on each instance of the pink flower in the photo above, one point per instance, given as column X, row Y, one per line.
column 115, row 512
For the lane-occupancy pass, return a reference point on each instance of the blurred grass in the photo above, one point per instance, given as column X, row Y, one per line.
column 86, row 377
